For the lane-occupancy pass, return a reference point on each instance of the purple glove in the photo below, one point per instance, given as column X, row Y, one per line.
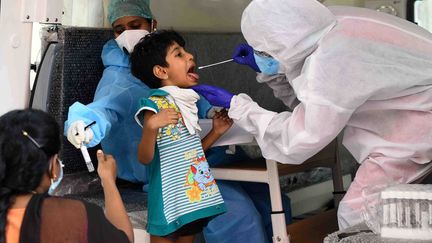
column 244, row 54
column 216, row 96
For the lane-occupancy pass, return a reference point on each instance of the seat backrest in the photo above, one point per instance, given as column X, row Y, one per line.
column 69, row 72
column 75, row 68
column 209, row 48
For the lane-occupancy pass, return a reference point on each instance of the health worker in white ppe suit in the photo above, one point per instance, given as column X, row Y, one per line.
column 341, row 67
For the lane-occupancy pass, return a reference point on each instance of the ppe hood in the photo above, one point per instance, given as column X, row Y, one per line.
column 286, row 29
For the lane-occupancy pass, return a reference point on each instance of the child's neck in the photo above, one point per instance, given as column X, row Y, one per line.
column 167, row 82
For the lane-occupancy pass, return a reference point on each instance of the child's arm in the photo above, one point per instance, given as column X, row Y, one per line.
column 152, row 123
column 221, row 124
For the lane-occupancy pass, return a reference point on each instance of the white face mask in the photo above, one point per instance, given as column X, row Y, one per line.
column 129, row 38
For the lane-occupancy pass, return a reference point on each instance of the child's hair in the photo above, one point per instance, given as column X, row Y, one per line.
column 24, row 159
column 151, row 51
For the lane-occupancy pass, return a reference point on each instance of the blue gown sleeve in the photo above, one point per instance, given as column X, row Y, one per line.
column 113, row 100
column 203, row 107
column 79, row 111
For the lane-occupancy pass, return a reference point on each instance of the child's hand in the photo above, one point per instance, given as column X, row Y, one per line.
column 163, row 118
column 221, row 122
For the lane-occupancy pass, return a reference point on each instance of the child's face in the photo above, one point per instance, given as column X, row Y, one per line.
column 181, row 67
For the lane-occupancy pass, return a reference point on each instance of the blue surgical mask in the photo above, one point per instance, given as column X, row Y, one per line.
column 56, row 183
column 267, row 65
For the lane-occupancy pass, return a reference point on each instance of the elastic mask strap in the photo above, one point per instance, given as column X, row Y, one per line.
column 153, row 25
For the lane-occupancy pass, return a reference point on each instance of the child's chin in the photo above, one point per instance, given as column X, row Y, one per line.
column 193, row 84
column 188, row 86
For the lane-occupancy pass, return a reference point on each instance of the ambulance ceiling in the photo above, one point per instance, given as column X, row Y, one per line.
column 199, row 15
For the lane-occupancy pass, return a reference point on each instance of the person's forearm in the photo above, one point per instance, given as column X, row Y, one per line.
column 281, row 87
column 147, row 145
column 210, row 139
column 115, row 210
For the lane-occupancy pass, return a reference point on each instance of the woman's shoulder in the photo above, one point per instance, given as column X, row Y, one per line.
column 70, row 202
column 65, row 204
column 63, row 200
column 65, row 218
column 72, row 220
column 74, row 209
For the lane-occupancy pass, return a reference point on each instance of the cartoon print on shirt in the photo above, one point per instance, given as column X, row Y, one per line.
column 172, row 130
column 199, row 179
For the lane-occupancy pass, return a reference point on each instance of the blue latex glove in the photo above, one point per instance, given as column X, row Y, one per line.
column 244, row 55
column 215, row 95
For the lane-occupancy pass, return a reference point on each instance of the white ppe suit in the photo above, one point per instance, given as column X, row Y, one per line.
column 352, row 68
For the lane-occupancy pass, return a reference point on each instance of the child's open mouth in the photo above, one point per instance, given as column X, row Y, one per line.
column 191, row 73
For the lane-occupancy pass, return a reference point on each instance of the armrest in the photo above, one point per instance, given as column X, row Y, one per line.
column 327, row 157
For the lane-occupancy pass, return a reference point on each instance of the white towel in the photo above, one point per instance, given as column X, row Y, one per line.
column 186, row 100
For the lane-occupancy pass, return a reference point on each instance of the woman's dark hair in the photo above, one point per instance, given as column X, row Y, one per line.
column 150, row 51
column 23, row 162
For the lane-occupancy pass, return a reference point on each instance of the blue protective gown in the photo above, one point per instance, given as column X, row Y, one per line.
column 113, row 109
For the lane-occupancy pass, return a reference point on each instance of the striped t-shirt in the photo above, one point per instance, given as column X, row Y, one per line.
column 181, row 186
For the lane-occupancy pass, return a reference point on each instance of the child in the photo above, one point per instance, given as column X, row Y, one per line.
column 183, row 194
